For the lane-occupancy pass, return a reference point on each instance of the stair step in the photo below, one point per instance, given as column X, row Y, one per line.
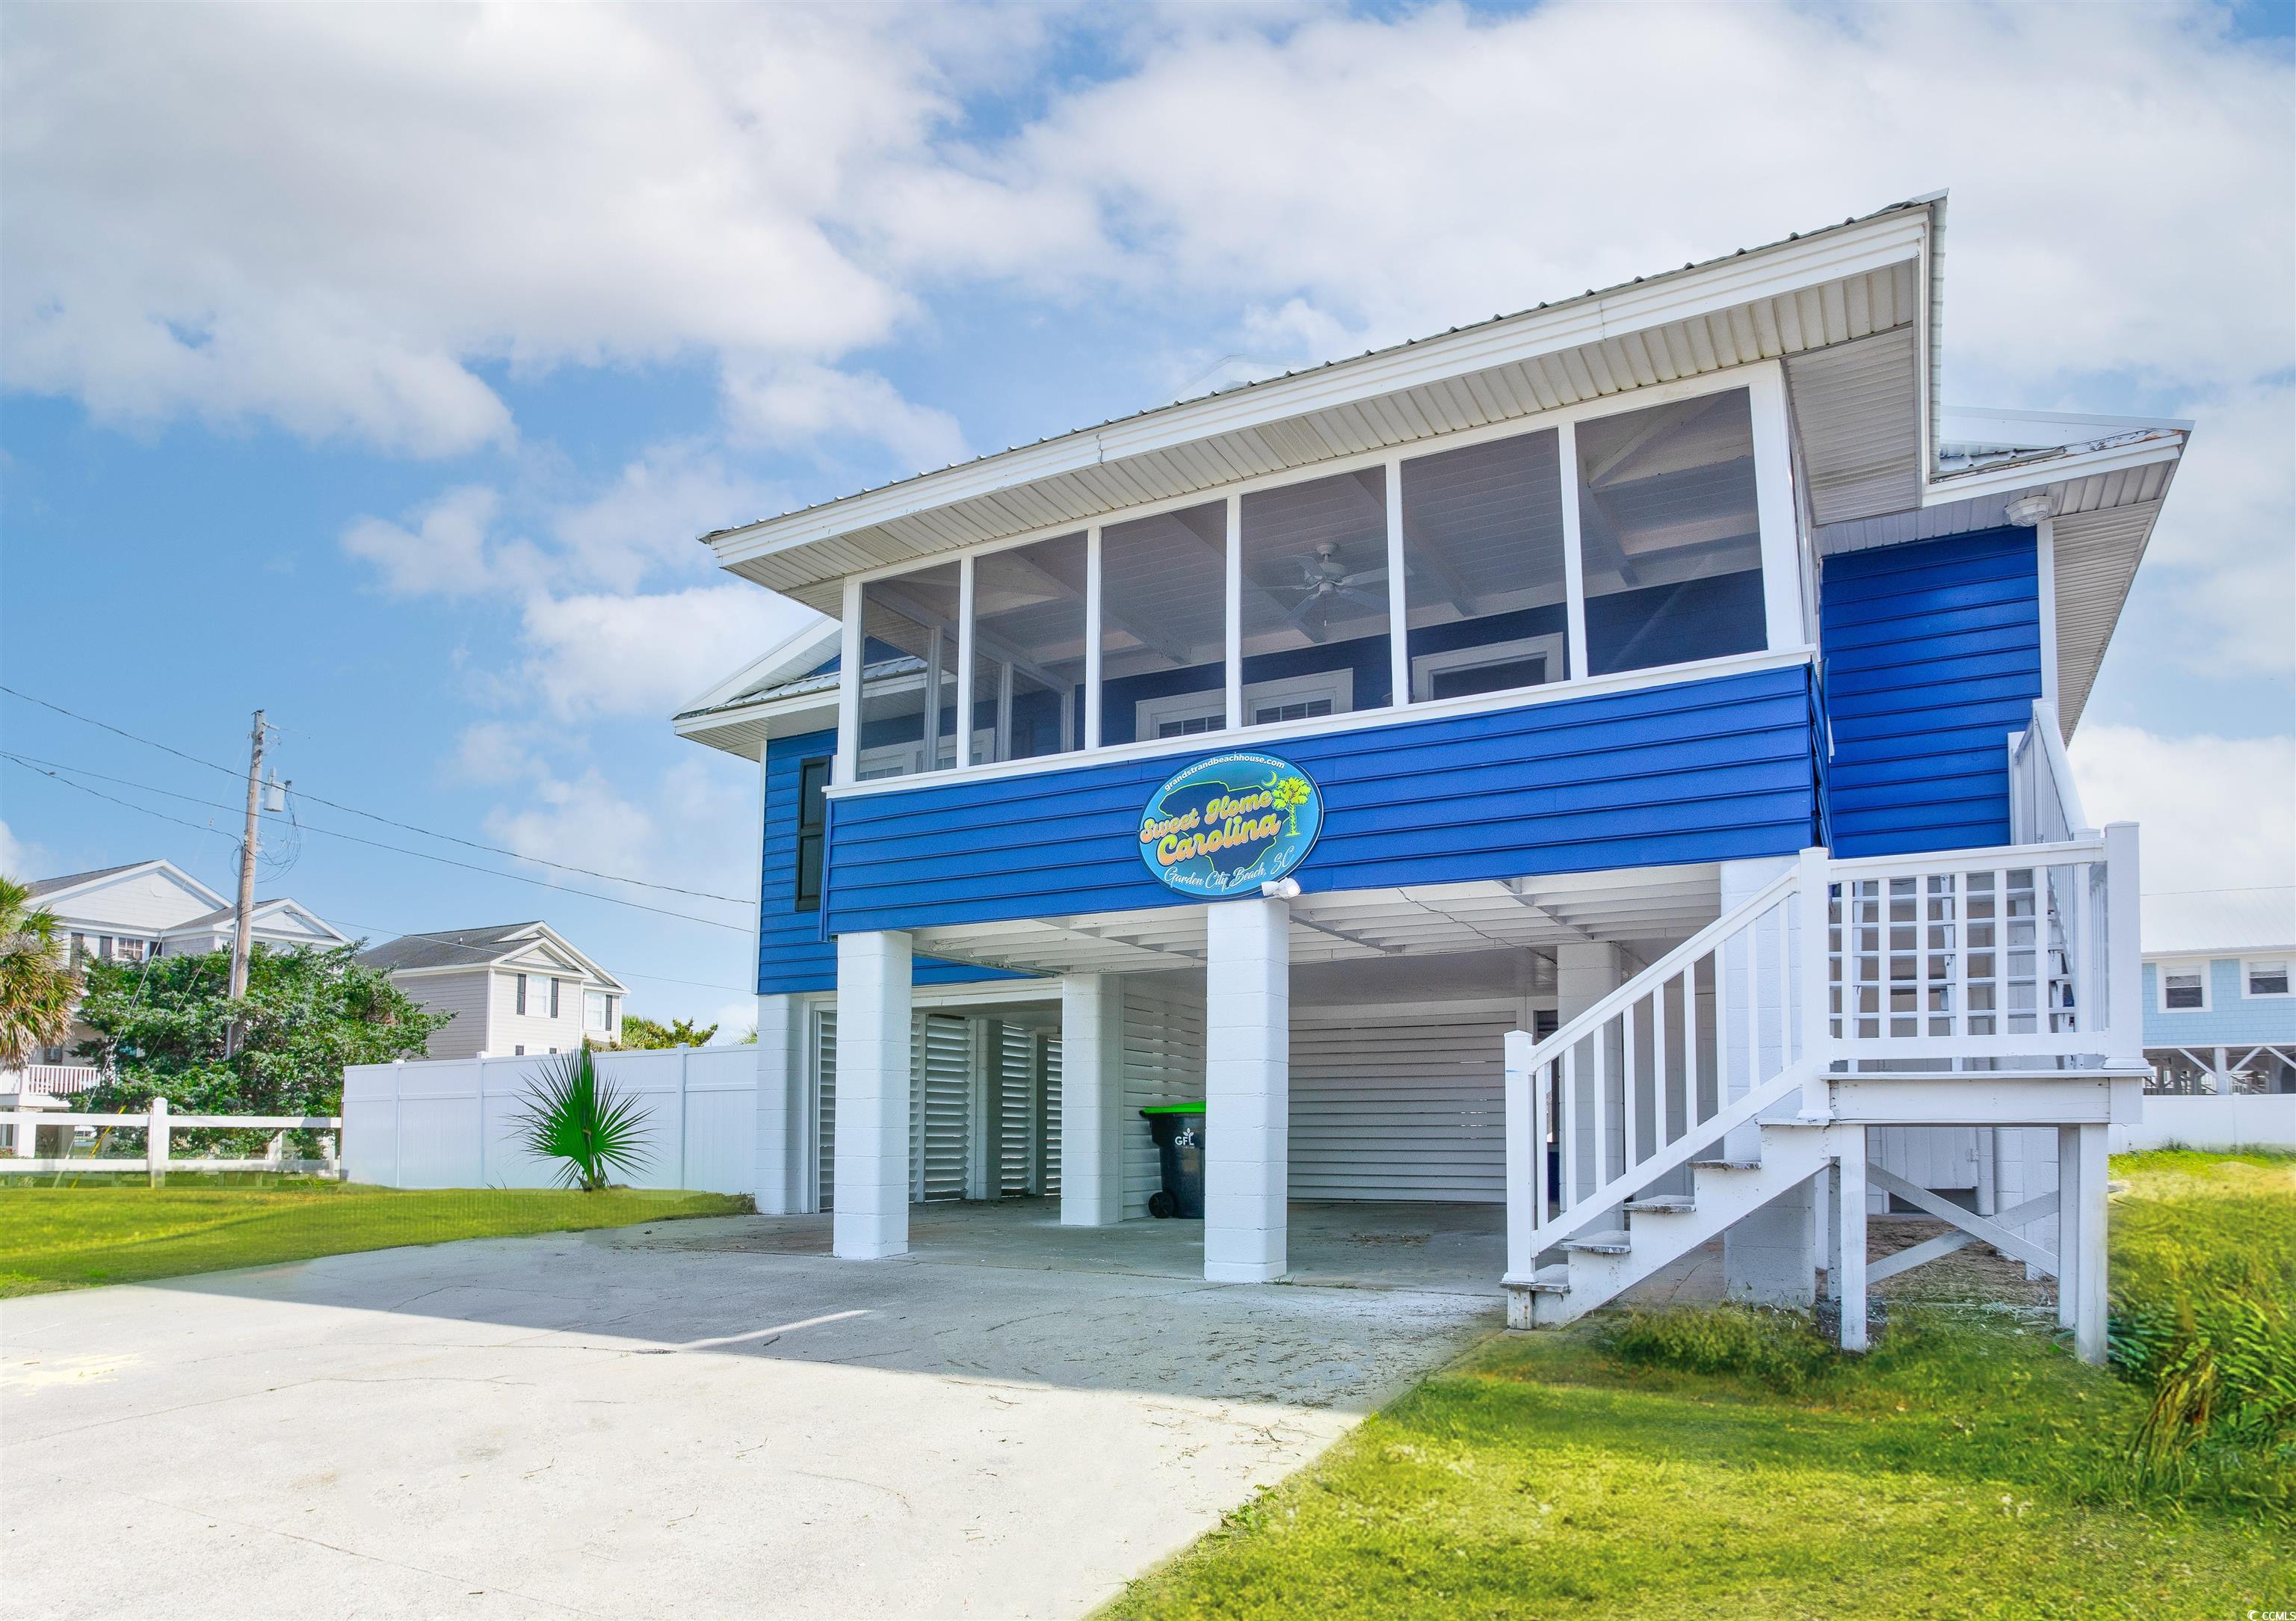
column 1662, row 1204
column 1602, row 1243
column 1725, row 1165
column 1551, row 1280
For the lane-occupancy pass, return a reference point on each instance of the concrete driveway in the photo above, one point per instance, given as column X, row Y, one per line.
column 697, row 1419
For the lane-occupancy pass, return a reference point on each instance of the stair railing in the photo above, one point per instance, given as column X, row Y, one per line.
column 1656, row 1072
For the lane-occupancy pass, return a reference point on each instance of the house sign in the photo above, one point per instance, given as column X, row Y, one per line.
column 1228, row 825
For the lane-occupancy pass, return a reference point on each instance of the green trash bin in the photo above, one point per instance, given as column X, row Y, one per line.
column 1178, row 1129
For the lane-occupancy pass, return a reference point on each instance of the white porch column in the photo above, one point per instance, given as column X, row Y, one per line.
column 1247, row 1090
column 872, row 1217
column 784, row 1134
column 1092, row 1096
column 2090, row 1303
column 1848, row 1278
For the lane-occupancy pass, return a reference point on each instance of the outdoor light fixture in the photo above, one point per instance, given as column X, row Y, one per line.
column 2026, row 510
column 1281, row 889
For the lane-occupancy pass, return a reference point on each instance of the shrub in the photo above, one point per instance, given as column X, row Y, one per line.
column 1780, row 1348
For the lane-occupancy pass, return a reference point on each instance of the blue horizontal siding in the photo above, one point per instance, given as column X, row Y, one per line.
column 1693, row 771
column 793, row 954
column 1932, row 659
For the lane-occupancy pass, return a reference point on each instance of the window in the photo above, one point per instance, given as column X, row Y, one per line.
column 597, row 1010
column 1315, row 594
column 1669, row 537
column 1027, row 636
column 1163, row 616
column 518, row 1050
column 2183, row 987
column 1495, row 666
column 812, row 832
column 553, row 995
column 908, row 673
column 1265, row 702
column 79, row 950
column 1485, row 591
column 2267, row 977
column 520, row 1004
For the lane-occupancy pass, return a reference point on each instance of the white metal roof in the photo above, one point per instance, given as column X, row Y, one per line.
column 2220, row 923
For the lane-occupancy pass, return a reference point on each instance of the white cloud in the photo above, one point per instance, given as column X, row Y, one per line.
column 445, row 552
column 653, row 513
column 21, row 860
column 592, row 655
column 323, row 216
column 2216, row 813
column 778, row 402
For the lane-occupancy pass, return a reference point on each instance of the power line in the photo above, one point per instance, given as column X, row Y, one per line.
column 491, row 849
column 54, row 774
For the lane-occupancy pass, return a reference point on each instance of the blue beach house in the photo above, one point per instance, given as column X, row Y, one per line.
column 1635, row 731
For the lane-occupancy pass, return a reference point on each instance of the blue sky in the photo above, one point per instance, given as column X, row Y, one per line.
column 378, row 368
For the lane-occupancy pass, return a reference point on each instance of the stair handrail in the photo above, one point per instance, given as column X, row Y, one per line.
column 2036, row 753
column 1701, row 1136
column 1697, row 946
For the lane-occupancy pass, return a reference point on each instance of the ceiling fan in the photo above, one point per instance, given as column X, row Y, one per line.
column 1326, row 580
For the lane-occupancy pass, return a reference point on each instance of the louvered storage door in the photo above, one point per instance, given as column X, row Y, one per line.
column 1016, row 1107
column 825, row 1092
column 946, row 1067
column 1052, row 1114
column 1406, row 1106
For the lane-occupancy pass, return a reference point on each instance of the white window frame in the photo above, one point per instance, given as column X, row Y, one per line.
column 2284, row 963
column 604, row 1004
column 1553, row 647
column 2160, row 972
column 1150, row 714
column 1787, row 636
column 518, row 995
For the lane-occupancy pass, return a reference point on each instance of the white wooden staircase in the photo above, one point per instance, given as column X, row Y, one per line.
column 1968, row 986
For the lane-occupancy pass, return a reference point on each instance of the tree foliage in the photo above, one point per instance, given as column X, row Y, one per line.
column 646, row 1033
column 36, row 986
column 162, row 1029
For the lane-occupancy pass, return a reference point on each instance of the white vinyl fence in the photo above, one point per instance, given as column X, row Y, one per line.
column 157, row 1125
column 450, row 1123
column 2227, row 1120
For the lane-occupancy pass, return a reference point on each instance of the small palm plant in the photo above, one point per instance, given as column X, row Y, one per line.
column 38, row 987
column 575, row 1116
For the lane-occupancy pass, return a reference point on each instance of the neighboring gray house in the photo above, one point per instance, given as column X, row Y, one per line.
column 512, row 988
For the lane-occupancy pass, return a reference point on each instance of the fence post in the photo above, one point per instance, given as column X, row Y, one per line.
column 155, row 1144
column 685, row 1058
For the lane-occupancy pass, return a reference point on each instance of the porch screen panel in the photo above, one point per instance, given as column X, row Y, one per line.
column 1021, row 1101
column 824, row 1096
column 1316, row 608
column 941, row 1114
column 908, row 673
column 1485, row 593
column 1669, row 534
column 1164, row 623
column 1028, row 625
column 1163, row 1063
column 1403, row 1105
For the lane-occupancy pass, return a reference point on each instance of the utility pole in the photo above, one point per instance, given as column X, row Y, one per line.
column 246, row 908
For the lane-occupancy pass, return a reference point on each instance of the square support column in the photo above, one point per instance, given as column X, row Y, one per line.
column 783, row 1115
column 1092, row 1094
column 1247, row 1090
column 2082, row 1174
column 871, row 1216
column 1849, row 1279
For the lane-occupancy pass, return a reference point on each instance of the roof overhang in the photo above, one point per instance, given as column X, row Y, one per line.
column 1811, row 292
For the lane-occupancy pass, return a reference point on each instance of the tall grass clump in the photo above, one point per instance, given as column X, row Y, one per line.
column 1782, row 1349
column 2203, row 1272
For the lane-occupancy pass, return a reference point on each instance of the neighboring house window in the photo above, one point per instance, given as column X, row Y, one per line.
column 2183, row 987
column 597, row 1011
column 553, row 999
column 78, row 949
column 812, row 832
column 2266, row 978
column 519, row 1050
column 521, row 998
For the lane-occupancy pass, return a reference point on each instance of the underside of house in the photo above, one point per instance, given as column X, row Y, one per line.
column 1682, row 847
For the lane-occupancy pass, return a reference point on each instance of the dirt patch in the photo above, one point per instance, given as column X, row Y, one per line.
column 1976, row 1273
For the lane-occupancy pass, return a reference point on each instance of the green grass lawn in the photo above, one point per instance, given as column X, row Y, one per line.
column 121, row 1231
column 1967, row 1466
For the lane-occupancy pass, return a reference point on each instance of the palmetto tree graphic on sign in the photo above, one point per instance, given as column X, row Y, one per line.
column 1289, row 794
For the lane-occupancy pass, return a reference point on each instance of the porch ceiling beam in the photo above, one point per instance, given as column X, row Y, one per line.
column 1416, row 544
column 1351, row 937
column 1512, row 888
column 1113, row 938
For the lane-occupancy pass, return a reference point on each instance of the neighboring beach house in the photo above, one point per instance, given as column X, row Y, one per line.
column 512, row 988
column 145, row 909
column 1605, row 761
column 2219, row 1004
